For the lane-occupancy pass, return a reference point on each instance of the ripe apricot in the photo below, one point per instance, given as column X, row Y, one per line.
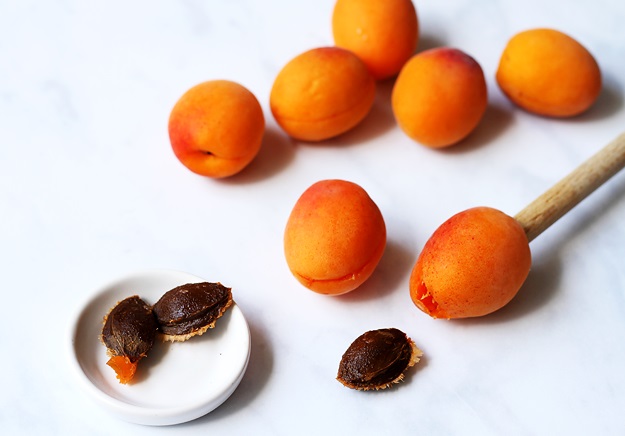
column 334, row 237
column 547, row 72
column 439, row 96
column 472, row 265
column 321, row 93
column 384, row 34
column 216, row 128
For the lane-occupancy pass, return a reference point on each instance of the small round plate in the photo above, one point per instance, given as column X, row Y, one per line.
column 176, row 382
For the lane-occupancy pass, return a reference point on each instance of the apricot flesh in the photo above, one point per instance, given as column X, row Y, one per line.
column 547, row 72
column 384, row 34
column 472, row 265
column 124, row 368
column 334, row 237
column 439, row 97
column 216, row 128
column 321, row 93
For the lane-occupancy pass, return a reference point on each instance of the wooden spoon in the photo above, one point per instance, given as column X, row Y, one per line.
column 572, row 189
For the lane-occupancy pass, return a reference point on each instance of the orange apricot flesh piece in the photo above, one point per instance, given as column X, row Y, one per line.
column 321, row 93
column 384, row 34
column 472, row 265
column 334, row 238
column 439, row 97
column 547, row 72
column 124, row 368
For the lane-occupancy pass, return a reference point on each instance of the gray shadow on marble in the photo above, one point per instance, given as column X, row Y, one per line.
column 427, row 42
column 495, row 121
column 275, row 154
column 395, row 264
column 542, row 284
column 257, row 375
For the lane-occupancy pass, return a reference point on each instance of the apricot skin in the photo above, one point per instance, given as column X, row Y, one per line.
column 548, row 73
column 384, row 34
column 472, row 265
column 321, row 93
column 439, row 97
column 216, row 128
column 334, row 237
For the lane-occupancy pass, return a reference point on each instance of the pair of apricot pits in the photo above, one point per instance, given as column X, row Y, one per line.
column 335, row 235
column 131, row 326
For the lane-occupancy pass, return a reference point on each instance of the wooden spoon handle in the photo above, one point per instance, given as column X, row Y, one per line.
column 568, row 192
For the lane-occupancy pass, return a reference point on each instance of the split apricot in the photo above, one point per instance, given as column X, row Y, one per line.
column 439, row 97
column 322, row 93
column 549, row 73
column 472, row 265
column 334, row 237
column 384, row 34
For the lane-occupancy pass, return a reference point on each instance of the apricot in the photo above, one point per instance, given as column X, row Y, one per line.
column 472, row 265
column 548, row 73
column 321, row 93
column 439, row 97
column 384, row 34
column 334, row 237
column 216, row 128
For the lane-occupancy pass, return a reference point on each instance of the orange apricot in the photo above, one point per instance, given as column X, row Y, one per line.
column 334, row 237
column 548, row 73
column 384, row 34
column 472, row 265
column 216, row 128
column 321, row 93
column 439, row 97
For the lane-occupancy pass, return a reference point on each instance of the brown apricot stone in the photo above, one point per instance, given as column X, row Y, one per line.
column 128, row 333
column 191, row 309
column 377, row 359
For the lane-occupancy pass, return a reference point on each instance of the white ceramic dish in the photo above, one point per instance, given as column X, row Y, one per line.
column 176, row 382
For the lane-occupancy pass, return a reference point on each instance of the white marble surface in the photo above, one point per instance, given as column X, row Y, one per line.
column 90, row 191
